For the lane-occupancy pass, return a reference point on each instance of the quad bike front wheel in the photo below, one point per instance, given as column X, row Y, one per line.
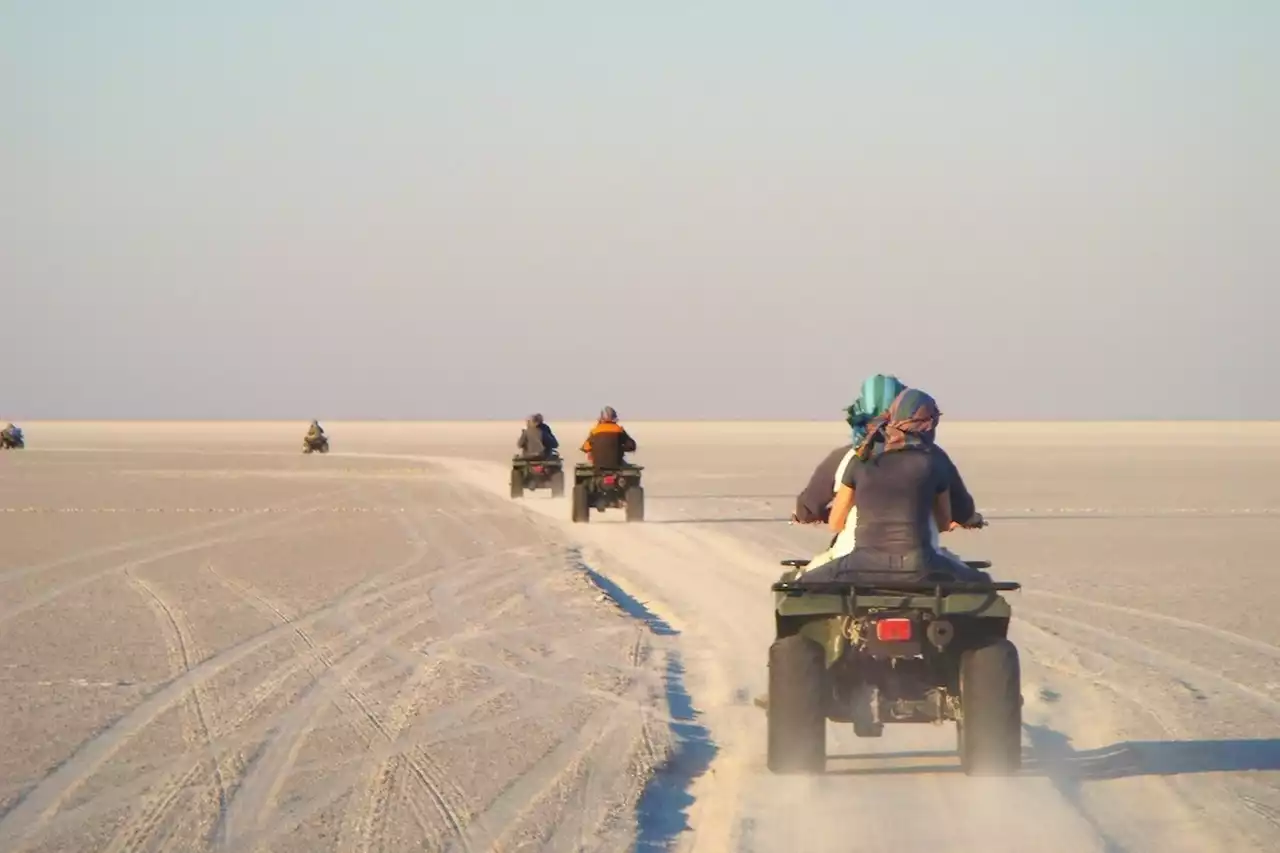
column 797, row 707
column 989, row 731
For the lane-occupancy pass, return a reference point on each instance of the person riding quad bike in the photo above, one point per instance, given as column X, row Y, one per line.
column 315, row 431
column 813, row 504
column 901, row 485
column 608, row 443
column 11, row 436
column 537, row 441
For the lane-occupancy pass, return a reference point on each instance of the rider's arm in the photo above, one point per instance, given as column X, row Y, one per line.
column 963, row 507
column 813, row 501
column 523, row 441
column 840, row 508
column 626, row 442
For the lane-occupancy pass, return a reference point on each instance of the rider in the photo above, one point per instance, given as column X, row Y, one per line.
column 902, row 488
column 537, row 441
column 11, row 432
column 813, row 505
column 608, row 443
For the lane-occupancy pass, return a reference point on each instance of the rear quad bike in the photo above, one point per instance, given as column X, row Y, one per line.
column 893, row 652
column 537, row 474
column 607, row 488
column 12, row 442
column 315, row 444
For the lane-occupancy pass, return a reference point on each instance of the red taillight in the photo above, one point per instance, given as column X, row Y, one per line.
column 610, row 480
column 537, row 469
column 893, row 630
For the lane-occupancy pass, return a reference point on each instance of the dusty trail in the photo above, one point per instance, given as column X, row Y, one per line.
column 1141, row 702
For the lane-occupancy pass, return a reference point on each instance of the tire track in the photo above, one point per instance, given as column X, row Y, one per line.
column 182, row 649
column 239, row 536
column 493, row 828
column 268, row 776
column 1160, row 661
column 35, row 809
column 1220, row 633
column 20, row 572
column 136, row 831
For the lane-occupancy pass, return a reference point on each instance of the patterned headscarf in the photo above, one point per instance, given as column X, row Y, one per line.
column 877, row 393
column 910, row 421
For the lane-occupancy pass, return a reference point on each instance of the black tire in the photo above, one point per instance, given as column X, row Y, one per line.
column 581, row 506
column 324, row 448
column 989, row 733
column 797, row 706
column 557, row 484
column 635, row 503
column 517, row 483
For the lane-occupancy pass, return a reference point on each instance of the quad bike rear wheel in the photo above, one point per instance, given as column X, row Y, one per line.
column 797, row 708
column 557, row 484
column 989, row 731
column 581, row 503
column 635, row 503
column 517, row 483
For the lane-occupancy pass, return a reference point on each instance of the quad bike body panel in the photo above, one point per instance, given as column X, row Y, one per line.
column 893, row 652
column 530, row 474
column 607, row 488
column 315, row 444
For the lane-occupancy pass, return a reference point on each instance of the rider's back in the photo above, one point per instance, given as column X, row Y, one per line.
column 607, row 444
column 895, row 494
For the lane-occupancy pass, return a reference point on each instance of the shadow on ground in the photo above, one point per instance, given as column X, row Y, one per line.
column 662, row 812
column 732, row 520
column 1051, row 755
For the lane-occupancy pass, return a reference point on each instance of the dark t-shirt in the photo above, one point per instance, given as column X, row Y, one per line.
column 814, row 503
column 894, row 494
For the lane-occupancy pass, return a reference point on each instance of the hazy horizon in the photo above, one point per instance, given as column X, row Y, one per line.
column 720, row 212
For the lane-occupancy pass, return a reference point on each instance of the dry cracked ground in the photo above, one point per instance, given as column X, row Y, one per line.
column 209, row 641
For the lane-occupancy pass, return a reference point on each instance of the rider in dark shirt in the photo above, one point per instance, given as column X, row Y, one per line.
column 901, row 485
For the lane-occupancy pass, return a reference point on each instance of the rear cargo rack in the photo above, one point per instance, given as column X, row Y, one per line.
column 925, row 587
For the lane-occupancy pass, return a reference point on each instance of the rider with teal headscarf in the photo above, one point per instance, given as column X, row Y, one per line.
column 900, row 481
column 877, row 393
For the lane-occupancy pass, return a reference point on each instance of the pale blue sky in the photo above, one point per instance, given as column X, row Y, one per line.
column 698, row 209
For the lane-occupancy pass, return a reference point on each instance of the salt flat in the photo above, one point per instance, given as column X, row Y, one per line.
column 211, row 641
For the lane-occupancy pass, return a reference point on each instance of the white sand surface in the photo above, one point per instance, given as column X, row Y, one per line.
column 211, row 641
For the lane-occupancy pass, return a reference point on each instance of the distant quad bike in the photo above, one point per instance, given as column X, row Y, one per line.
column 12, row 441
column 315, row 444
column 537, row 474
column 893, row 652
column 607, row 488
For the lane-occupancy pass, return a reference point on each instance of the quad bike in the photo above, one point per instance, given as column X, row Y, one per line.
column 537, row 474
column 607, row 488
column 12, row 440
column 893, row 652
column 315, row 443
